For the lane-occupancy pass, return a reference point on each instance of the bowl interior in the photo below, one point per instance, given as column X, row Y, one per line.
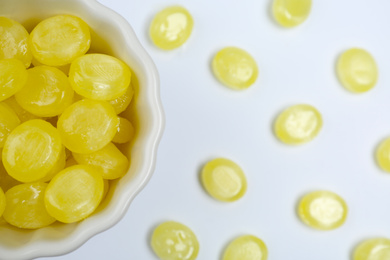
column 112, row 35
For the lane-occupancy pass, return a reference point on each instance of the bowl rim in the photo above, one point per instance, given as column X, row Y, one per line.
column 77, row 238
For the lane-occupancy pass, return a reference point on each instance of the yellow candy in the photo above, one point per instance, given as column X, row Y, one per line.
column 6, row 181
column 32, row 150
column 2, row 201
column 174, row 241
column 125, row 131
column 25, row 206
column 99, row 76
column 373, row 249
column 323, row 210
column 298, row 124
column 87, row 126
column 59, row 40
column 20, row 112
column 171, row 27
column 13, row 77
column 111, row 163
column 14, row 41
column 64, row 68
column 235, row 68
column 383, row 155
column 357, row 70
column 246, row 247
column 121, row 103
column 290, row 13
column 74, row 193
column 58, row 166
column 8, row 121
column 224, row 180
column 47, row 92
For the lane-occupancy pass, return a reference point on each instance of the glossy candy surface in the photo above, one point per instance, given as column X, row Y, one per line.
column 357, row 70
column 23, row 114
column 87, row 126
column 74, row 193
column 224, row 180
column 235, row 68
column 14, row 41
column 298, row 124
column 121, row 103
column 290, row 13
column 174, row 241
column 47, row 92
column 125, row 131
column 99, row 76
column 8, row 121
column 111, row 163
column 373, row 249
column 171, row 27
column 32, row 150
column 13, row 77
column 60, row 39
column 246, row 247
column 323, row 210
column 25, row 206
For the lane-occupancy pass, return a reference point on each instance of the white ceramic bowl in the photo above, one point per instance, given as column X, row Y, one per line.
column 113, row 35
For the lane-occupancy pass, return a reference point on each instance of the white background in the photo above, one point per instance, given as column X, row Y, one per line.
column 205, row 120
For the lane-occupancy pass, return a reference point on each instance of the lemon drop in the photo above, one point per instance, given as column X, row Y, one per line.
column 125, row 131
column 224, row 180
column 298, row 124
column 373, row 249
column 8, row 121
column 357, row 70
column 13, row 77
column 171, row 27
column 383, row 155
column 323, row 210
column 290, row 13
column 235, row 68
column 246, row 247
column 174, row 241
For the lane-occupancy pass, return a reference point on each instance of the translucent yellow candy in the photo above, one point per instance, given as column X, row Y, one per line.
column 20, row 111
column 357, row 70
column 14, row 41
column 235, row 68
column 8, row 121
column 125, row 131
column 121, row 103
column 383, row 155
column 246, row 247
column 47, row 92
column 32, row 150
column 109, row 160
column 6, row 181
column 290, row 13
column 373, row 249
column 25, row 206
column 224, row 180
column 174, row 241
column 323, row 210
column 298, row 124
column 64, row 68
column 74, row 193
column 60, row 39
column 171, row 27
column 2, row 201
column 58, row 166
column 99, row 76
column 87, row 126
column 13, row 76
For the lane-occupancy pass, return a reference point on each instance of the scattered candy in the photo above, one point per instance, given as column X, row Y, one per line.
column 298, row 124
column 235, row 68
column 224, row 180
column 58, row 40
column 323, row 210
column 357, row 70
column 246, row 247
column 171, row 27
column 290, row 13
column 373, row 249
column 174, row 241
column 383, row 155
